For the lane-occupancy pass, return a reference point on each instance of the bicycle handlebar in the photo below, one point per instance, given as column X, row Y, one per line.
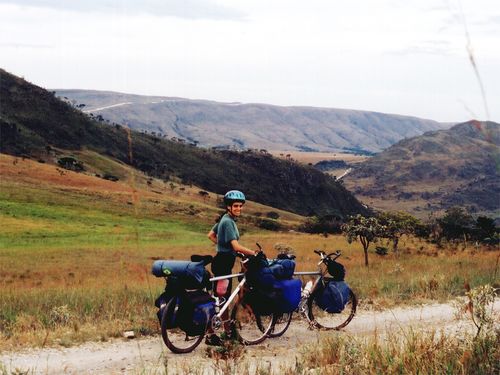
column 324, row 257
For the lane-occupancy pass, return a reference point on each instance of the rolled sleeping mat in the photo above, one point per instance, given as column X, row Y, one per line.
column 181, row 269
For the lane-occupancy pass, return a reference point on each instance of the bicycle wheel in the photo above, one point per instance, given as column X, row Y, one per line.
column 321, row 319
column 250, row 328
column 176, row 339
column 281, row 324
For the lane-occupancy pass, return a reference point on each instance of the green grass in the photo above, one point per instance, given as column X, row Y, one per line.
column 76, row 263
column 43, row 220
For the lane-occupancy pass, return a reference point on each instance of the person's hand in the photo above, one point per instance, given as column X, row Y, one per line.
column 260, row 254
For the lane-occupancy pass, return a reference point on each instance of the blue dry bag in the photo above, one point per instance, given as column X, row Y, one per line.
column 282, row 268
column 333, row 296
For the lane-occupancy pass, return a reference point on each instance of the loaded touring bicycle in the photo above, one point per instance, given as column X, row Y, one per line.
column 261, row 304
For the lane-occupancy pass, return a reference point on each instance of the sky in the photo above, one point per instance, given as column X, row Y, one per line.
column 433, row 59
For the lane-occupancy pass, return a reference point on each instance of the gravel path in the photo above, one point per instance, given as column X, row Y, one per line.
column 150, row 356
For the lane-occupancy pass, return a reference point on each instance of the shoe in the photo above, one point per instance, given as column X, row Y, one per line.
column 213, row 340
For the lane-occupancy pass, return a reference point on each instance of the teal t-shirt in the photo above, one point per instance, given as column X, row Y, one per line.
column 226, row 231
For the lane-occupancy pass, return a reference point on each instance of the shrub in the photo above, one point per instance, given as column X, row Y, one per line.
column 269, row 224
column 381, row 250
column 273, row 215
column 69, row 162
column 322, row 224
column 110, row 177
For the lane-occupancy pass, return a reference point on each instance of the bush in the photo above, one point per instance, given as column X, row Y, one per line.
column 110, row 177
column 273, row 215
column 269, row 224
column 70, row 163
column 322, row 224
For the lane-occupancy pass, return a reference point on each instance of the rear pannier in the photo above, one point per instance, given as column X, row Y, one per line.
column 282, row 297
column 272, row 290
column 196, row 309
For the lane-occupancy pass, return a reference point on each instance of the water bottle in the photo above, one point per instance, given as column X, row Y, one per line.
column 221, row 287
column 307, row 289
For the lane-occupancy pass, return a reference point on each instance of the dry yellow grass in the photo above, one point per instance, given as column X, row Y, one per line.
column 315, row 157
column 105, row 285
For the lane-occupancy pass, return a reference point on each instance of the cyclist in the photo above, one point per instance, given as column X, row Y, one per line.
column 226, row 236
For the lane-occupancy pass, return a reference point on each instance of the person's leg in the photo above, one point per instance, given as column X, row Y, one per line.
column 222, row 265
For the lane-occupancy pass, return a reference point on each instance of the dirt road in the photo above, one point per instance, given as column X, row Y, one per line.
column 150, row 356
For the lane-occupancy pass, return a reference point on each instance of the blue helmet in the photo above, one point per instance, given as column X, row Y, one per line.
column 234, row 196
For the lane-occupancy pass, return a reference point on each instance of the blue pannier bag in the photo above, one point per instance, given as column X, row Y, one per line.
column 258, row 273
column 196, row 309
column 191, row 275
column 289, row 295
column 282, row 297
column 262, row 301
column 282, row 268
column 333, row 297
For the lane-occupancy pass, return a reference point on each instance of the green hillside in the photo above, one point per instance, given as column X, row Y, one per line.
column 34, row 123
column 435, row 171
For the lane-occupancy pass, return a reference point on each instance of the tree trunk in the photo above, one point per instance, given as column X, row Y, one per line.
column 366, row 255
column 395, row 242
column 364, row 241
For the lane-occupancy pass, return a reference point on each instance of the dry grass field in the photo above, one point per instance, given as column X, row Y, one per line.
column 315, row 157
column 76, row 252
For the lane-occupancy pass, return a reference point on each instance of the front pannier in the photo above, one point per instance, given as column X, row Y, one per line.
column 333, row 296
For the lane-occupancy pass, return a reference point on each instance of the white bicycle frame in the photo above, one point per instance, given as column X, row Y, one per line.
column 217, row 318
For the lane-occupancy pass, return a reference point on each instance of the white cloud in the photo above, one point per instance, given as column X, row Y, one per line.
column 384, row 56
column 190, row 9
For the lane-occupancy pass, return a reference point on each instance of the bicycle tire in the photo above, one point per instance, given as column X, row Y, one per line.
column 250, row 328
column 281, row 324
column 174, row 338
column 320, row 319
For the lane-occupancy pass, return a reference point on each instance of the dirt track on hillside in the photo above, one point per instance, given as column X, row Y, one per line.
column 150, row 355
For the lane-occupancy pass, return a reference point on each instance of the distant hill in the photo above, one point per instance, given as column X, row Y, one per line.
column 255, row 126
column 431, row 172
column 34, row 123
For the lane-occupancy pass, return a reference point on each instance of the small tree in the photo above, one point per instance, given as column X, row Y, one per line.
column 395, row 225
column 364, row 229
column 456, row 223
column 485, row 227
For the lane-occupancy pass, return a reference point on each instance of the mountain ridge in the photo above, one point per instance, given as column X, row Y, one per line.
column 254, row 125
column 33, row 123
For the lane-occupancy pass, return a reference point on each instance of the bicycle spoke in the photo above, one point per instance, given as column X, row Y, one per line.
column 323, row 320
column 247, row 325
column 175, row 338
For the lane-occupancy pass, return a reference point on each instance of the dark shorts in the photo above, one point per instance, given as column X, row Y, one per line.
column 222, row 264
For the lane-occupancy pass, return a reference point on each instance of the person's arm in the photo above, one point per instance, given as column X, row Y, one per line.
column 241, row 249
column 212, row 236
